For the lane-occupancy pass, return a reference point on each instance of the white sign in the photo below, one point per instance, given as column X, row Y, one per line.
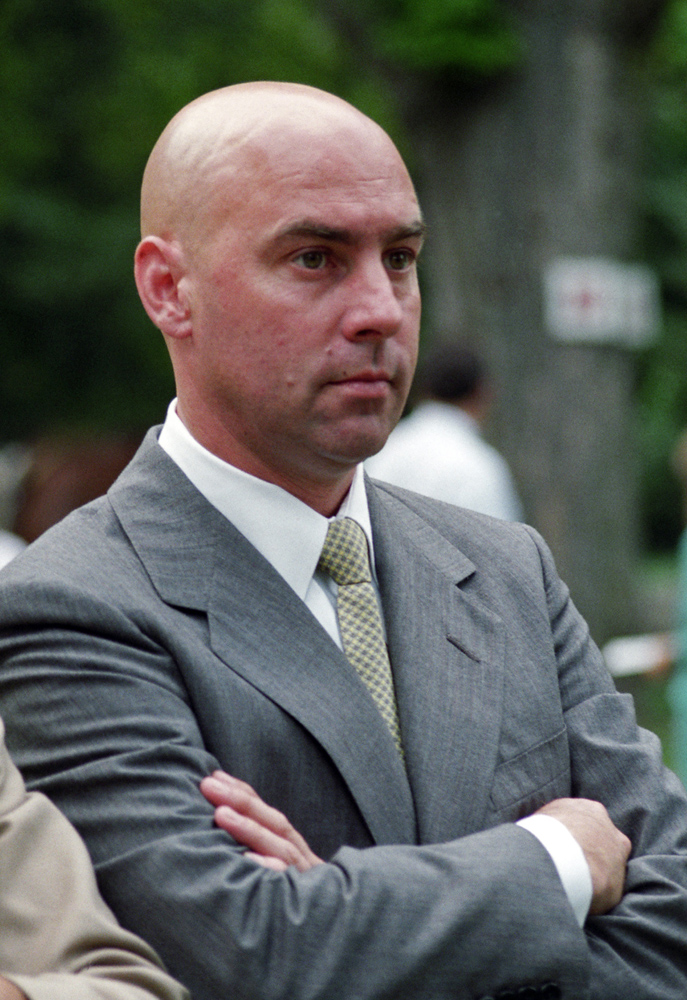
column 601, row 301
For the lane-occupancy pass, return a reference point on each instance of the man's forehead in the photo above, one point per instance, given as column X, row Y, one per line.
column 224, row 158
column 313, row 228
column 324, row 193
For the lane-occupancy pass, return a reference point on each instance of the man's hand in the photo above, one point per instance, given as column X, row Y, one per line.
column 274, row 843
column 240, row 811
column 605, row 848
column 8, row 991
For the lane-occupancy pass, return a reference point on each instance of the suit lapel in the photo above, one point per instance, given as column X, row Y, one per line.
column 282, row 650
column 261, row 630
column 447, row 652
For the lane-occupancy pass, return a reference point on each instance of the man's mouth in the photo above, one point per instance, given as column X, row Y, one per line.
column 367, row 376
column 367, row 384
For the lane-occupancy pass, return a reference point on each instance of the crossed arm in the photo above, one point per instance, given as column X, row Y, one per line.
column 274, row 843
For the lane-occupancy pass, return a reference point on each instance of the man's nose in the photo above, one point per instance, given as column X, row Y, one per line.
column 376, row 305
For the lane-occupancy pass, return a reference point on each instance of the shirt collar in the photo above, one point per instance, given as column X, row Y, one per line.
column 287, row 532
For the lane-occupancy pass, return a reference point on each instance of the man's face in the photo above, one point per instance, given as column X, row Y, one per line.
column 305, row 308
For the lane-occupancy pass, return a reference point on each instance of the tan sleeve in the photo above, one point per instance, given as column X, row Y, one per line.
column 59, row 940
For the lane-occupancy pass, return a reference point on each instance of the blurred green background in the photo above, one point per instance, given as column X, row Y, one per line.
column 87, row 86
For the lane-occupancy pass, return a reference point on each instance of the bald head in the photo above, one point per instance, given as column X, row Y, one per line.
column 280, row 238
column 213, row 144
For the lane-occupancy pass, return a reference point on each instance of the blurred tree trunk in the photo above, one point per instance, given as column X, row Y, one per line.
column 513, row 175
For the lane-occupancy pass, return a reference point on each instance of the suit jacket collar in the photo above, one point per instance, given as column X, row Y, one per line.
column 259, row 628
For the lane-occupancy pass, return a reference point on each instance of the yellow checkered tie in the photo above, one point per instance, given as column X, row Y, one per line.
column 346, row 559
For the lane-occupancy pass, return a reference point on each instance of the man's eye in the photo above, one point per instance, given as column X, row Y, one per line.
column 312, row 260
column 399, row 260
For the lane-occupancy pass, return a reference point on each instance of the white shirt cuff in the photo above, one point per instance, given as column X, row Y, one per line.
column 568, row 858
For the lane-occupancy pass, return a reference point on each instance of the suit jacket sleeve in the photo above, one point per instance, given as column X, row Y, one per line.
column 59, row 941
column 642, row 941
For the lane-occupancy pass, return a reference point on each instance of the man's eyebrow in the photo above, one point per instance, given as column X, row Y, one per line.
column 418, row 230
column 314, row 230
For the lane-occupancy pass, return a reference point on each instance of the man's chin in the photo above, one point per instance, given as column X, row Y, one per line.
column 355, row 449
column 358, row 437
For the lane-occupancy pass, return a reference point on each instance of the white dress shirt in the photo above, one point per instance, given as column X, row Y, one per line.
column 283, row 529
column 290, row 535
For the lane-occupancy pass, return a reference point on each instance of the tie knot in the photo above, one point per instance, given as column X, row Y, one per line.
column 345, row 554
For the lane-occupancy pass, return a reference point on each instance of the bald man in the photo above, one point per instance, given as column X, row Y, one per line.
column 437, row 784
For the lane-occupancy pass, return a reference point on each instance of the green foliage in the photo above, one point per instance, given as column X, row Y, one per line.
column 663, row 375
column 86, row 87
column 474, row 37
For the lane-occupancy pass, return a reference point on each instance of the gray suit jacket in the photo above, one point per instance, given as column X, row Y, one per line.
column 144, row 641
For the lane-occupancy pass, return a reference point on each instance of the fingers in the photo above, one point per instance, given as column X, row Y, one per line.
column 605, row 847
column 224, row 790
column 259, row 839
column 272, row 840
column 275, row 863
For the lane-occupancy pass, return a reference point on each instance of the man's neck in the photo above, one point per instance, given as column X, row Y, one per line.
column 324, row 493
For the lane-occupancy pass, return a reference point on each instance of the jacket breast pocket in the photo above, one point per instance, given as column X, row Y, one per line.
column 531, row 779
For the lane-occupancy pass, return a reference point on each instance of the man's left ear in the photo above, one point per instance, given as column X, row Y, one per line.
column 159, row 273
